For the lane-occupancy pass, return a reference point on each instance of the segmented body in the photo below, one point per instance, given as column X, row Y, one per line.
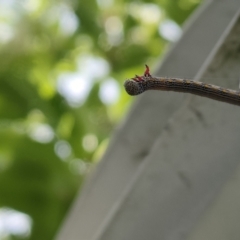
column 135, row 87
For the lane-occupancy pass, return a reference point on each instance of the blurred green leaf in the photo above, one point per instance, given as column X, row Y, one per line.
column 44, row 136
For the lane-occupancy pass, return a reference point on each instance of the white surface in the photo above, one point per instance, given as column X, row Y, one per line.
column 166, row 171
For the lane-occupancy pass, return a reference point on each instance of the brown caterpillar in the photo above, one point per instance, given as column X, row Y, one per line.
column 140, row 84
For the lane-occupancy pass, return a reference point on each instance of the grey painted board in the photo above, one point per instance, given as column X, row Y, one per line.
column 173, row 153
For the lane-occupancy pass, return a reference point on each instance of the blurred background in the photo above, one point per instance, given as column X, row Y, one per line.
column 62, row 67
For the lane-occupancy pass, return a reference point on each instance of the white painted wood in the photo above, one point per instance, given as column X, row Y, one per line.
column 170, row 167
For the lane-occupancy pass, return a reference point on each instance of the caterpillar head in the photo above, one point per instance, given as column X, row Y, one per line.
column 133, row 87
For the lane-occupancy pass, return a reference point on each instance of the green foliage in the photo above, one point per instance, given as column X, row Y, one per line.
column 49, row 139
